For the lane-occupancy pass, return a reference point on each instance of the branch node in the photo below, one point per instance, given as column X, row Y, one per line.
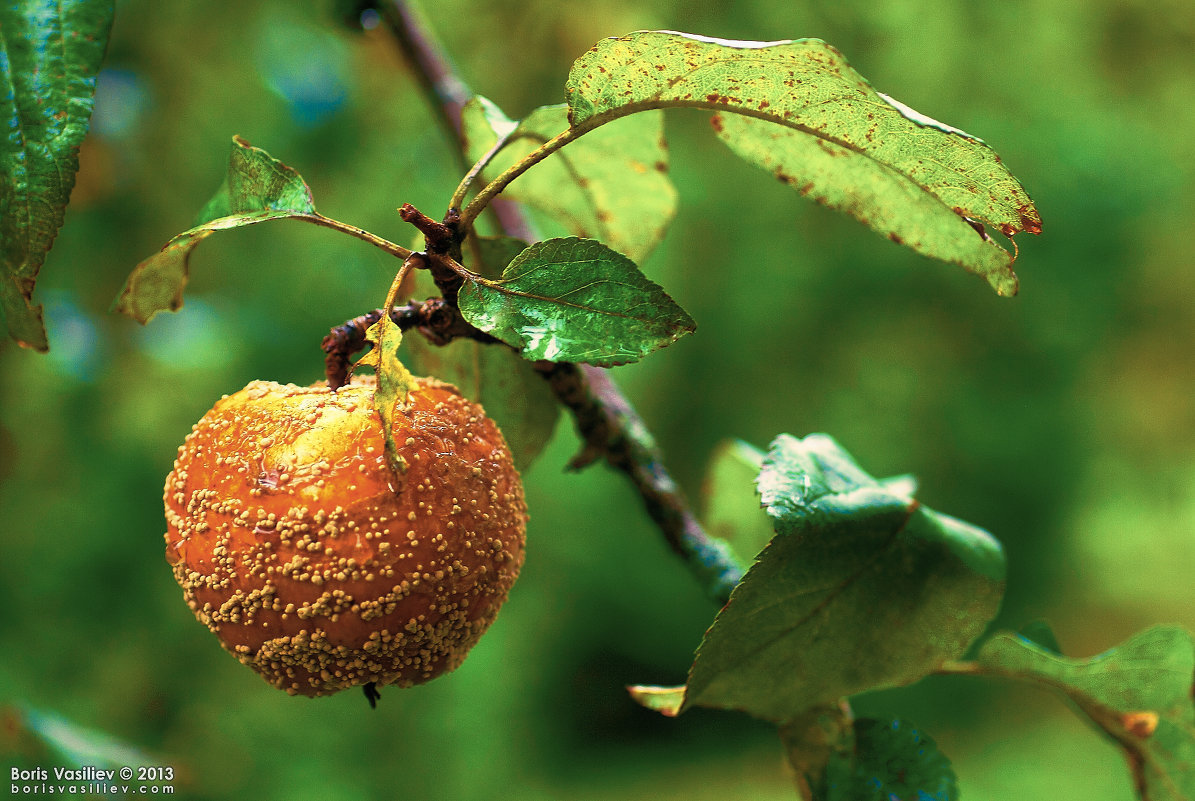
column 439, row 237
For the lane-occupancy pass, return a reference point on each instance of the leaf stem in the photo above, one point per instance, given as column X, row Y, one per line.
column 352, row 230
column 462, row 189
column 961, row 669
column 491, row 190
column 433, row 318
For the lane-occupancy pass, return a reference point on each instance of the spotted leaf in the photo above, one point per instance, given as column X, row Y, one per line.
column 798, row 109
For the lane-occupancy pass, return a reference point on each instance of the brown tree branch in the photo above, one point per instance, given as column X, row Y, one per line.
column 605, row 419
column 446, row 92
column 437, row 320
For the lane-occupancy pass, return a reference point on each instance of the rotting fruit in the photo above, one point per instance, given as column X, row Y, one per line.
column 318, row 565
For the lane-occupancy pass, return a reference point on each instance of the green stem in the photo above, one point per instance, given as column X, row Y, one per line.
column 466, row 183
column 359, row 233
column 961, row 669
column 491, row 190
column 462, row 189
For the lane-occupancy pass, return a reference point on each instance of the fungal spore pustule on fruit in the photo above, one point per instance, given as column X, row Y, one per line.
column 315, row 564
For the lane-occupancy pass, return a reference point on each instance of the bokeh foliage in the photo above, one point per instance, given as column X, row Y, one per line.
column 1061, row 420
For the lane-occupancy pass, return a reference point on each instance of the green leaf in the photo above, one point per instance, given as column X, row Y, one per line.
column 798, row 109
column 575, row 300
column 892, row 203
column 891, row 761
column 612, row 185
column 513, row 394
column 665, row 700
column 1040, row 634
column 1139, row 693
column 732, row 509
column 77, row 746
column 257, row 182
column 861, row 588
column 256, row 188
column 50, row 54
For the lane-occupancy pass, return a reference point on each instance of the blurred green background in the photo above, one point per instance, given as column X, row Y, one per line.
column 1061, row 420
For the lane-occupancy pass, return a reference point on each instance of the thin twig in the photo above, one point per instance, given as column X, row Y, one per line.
column 500, row 182
column 434, row 318
column 604, row 417
column 612, row 429
column 360, row 233
column 435, row 72
column 446, row 92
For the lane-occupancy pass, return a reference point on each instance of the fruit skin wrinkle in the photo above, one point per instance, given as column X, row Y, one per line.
column 317, row 565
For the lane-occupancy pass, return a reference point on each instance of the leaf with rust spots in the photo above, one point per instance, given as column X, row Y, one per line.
column 871, row 192
column 256, row 188
column 798, row 109
column 1139, row 693
column 50, row 54
column 611, row 185
column 860, row 588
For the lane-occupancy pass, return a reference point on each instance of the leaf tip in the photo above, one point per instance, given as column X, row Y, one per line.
column 668, row 701
column 26, row 325
column 1030, row 219
column 40, row 345
column 1006, row 286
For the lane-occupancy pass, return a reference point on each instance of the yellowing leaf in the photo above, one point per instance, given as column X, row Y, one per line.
column 798, row 109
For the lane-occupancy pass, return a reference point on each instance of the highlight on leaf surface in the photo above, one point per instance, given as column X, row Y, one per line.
column 665, row 700
column 51, row 55
column 611, row 185
column 861, row 588
column 799, row 110
column 575, row 300
column 1139, row 693
column 71, row 744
